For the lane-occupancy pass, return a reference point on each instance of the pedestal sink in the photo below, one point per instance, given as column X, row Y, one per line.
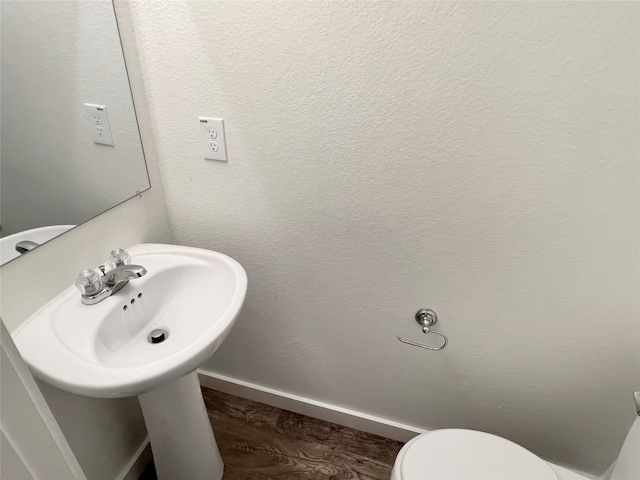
column 105, row 350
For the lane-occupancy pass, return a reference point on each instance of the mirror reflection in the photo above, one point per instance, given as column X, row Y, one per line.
column 70, row 148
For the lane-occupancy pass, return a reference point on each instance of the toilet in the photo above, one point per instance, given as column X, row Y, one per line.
column 458, row 454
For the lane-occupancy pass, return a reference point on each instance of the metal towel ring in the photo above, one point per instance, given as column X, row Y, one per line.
column 427, row 318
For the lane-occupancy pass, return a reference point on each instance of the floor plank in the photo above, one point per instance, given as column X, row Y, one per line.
column 257, row 441
column 269, row 453
column 343, row 438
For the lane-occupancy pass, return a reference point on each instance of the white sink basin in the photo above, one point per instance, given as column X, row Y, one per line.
column 102, row 350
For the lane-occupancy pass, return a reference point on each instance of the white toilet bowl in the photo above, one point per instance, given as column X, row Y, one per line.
column 455, row 454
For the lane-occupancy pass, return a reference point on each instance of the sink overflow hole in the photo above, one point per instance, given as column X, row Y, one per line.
column 124, row 308
column 158, row 335
column 139, row 295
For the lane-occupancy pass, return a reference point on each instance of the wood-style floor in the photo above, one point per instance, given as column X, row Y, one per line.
column 259, row 442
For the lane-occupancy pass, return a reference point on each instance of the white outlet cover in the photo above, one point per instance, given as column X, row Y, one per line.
column 98, row 122
column 212, row 138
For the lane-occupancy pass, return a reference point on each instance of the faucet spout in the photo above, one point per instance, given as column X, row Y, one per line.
column 118, row 277
column 25, row 246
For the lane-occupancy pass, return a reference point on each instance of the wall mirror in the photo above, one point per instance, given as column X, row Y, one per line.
column 70, row 147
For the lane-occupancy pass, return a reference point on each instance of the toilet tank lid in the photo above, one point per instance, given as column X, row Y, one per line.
column 468, row 454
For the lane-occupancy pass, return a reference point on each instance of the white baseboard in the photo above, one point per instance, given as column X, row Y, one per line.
column 138, row 463
column 312, row 408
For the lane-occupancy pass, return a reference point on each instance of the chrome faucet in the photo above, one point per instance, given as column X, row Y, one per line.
column 95, row 287
column 118, row 277
column 25, row 246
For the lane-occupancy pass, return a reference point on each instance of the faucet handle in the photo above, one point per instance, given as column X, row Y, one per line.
column 118, row 258
column 89, row 282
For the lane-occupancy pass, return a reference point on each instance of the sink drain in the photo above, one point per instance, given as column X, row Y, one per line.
column 158, row 336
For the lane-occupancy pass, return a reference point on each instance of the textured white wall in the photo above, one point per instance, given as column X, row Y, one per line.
column 103, row 434
column 56, row 56
column 480, row 159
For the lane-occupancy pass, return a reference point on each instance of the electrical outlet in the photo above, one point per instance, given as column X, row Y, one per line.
column 99, row 123
column 212, row 137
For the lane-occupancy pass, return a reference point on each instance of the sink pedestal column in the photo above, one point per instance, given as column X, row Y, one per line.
column 181, row 437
